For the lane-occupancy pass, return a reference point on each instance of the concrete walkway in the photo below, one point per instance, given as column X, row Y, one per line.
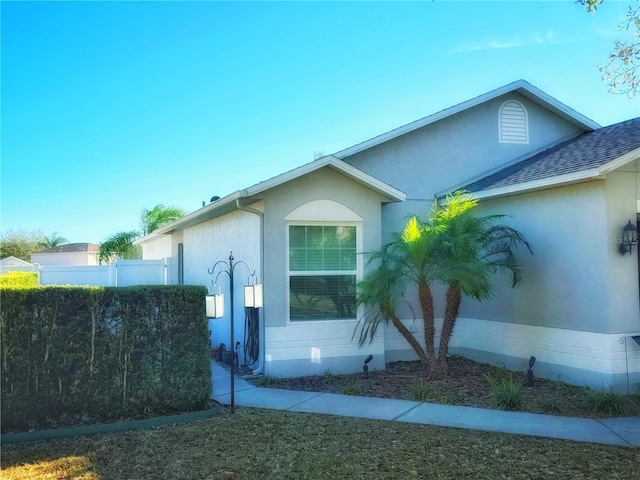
column 613, row 431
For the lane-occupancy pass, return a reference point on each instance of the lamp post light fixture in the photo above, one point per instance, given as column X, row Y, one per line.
column 253, row 296
column 215, row 306
column 629, row 238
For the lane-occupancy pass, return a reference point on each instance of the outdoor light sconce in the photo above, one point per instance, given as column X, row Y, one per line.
column 215, row 305
column 629, row 238
column 253, row 296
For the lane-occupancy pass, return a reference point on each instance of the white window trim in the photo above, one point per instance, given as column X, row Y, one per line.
column 359, row 268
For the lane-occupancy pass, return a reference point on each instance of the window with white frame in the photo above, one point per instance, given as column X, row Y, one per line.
column 322, row 271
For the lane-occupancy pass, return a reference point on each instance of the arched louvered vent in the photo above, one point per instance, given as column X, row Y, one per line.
column 513, row 123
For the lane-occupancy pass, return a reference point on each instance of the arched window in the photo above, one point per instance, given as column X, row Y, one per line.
column 323, row 265
column 513, row 123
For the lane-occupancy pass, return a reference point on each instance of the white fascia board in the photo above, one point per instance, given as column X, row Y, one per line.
column 621, row 161
column 521, row 86
column 536, row 95
column 336, row 164
column 228, row 203
column 214, row 209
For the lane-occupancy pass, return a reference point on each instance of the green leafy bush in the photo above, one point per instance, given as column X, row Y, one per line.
column 102, row 353
column 19, row 280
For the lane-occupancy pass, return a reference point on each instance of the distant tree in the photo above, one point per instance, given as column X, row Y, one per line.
column 622, row 71
column 53, row 240
column 121, row 244
column 20, row 244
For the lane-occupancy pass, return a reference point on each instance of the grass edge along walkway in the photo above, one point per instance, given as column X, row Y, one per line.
column 100, row 428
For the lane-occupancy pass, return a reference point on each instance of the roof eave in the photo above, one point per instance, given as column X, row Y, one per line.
column 541, row 184
column 597, row 173
column 229, row 203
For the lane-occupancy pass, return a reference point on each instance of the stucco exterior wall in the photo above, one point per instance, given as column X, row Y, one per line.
column 313, row 347
column 157, row 248
column 211, row 242
column 579, row 298
column 622, row 280
column 440, row 155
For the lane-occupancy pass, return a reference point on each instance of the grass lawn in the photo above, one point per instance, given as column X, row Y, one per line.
column 269, row 444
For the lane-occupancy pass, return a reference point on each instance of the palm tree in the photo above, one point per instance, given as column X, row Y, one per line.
column 451, row 248
column 121, row 244
column 159, row 215
column 52, row 240
column 472, row 250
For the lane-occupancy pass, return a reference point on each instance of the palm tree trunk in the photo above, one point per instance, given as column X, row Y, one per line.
column 409, row 337
column 450, row 315
column 426, row 303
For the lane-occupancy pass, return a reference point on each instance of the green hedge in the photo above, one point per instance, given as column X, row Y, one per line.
column 97, row 354
column 19, row 279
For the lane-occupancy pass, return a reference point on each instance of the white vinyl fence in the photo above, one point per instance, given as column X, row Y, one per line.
column 121, row 273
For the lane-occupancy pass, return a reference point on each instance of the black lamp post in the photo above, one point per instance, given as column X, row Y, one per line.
column 215, row 306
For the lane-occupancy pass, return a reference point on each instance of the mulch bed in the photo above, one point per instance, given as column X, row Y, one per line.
column 466, row 385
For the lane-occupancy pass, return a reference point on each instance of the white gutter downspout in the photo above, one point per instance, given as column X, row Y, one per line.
column 260, row 215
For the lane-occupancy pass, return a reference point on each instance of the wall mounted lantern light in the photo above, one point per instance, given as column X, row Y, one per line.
column 629, row 238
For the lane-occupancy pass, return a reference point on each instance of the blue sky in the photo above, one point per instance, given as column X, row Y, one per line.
column 108, row 108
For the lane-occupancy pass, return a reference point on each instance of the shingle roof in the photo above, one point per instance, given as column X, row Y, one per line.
column 72, row 248
column 587, row 151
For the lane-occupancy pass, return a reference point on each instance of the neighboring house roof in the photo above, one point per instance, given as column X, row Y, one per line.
column 588, row 156
column 73, row 248
column 234, row 200
column 14, row 262
column 521, row 87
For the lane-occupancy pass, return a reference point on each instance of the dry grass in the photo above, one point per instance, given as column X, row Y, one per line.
column 261, row 444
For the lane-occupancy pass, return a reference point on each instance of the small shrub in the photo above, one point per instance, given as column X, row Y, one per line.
column 422, row 391
column 507, row 392
column 327, row 374
column 351, row 389
column 552, row 403
column 608, row 403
